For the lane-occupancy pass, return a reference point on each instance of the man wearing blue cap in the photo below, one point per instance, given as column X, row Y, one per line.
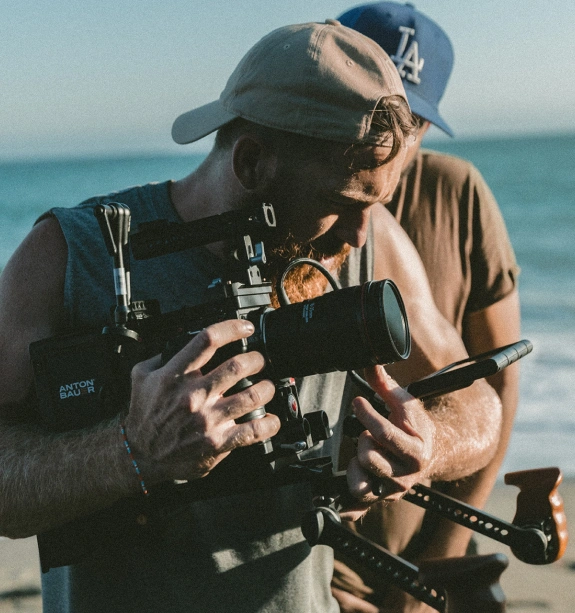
column 450, row 215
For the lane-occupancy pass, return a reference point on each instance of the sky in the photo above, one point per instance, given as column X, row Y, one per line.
column 98, row 77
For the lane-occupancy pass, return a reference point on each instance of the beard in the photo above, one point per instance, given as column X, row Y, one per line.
column 304, row 281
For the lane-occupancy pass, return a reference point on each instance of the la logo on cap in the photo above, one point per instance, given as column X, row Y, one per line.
column 407, row 60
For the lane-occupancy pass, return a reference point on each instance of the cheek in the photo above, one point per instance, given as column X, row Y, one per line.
column 301, row 221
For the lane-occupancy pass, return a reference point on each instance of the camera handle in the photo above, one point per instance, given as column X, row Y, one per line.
column 538, row 534
column 114, row 221
column 455, row 585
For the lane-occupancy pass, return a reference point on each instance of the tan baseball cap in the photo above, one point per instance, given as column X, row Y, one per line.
column 322, row 80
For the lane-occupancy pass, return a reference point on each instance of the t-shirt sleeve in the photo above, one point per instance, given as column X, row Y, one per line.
column 494, row 269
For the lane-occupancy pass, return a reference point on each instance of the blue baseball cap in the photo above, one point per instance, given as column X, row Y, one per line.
column 420, row 49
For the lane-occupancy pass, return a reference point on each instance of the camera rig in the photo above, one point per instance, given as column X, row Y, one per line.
column 374, row 330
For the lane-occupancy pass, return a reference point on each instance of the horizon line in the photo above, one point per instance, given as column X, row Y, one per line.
column 62, row 155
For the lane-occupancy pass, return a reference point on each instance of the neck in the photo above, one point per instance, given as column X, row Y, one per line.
column 204, row 192
column 207, row 191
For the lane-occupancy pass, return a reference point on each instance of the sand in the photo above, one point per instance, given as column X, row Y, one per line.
column 529, row 589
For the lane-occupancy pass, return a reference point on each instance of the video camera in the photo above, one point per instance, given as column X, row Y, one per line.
column 84, row 378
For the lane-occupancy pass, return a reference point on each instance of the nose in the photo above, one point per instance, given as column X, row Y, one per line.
column 352, row 226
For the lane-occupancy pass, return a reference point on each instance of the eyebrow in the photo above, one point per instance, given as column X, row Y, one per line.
column 343, row 200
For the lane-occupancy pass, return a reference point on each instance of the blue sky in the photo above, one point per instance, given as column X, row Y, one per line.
column 86, row 77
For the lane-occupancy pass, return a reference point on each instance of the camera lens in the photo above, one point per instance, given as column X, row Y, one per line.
column 346, row 329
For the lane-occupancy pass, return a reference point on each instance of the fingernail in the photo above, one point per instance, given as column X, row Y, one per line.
column 248, row 326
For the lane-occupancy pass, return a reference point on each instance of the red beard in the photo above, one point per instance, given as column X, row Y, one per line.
column 305, row 281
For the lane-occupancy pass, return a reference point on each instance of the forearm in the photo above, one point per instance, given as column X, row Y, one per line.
column 450, row 539
column 48, row 479
column 492, row 327
column 467, row 432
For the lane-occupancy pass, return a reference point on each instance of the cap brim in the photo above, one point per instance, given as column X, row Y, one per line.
column 427, row 111
column 200, row 122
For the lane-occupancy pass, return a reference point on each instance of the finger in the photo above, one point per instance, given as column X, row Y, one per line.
column 359, row 482
column 200, row 350
column 350, row 603
column 367, row 488
column 389, row 436
column 251, row 432
column 239, row 404
column 227, row 374
column 146, row 366
column 400, row 403
column 381, row 464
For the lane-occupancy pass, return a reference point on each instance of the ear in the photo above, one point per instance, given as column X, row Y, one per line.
column 252, row 161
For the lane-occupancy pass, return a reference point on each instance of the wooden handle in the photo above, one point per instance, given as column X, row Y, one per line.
column 471, row 584
column 539, row 505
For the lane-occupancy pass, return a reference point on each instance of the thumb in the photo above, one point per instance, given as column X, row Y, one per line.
column 400, row 403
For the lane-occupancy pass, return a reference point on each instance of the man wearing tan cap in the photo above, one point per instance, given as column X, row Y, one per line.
column 313, row 120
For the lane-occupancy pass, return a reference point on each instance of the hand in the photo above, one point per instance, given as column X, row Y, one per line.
column 348, row 603
column 398, row 450
column 180, row 423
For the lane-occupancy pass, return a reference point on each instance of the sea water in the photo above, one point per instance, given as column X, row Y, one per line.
column 533, row 179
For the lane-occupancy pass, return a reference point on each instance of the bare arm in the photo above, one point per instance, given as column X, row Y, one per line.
column 495, row 326
column 48, row 479
column 435, row 342
column 458, row 434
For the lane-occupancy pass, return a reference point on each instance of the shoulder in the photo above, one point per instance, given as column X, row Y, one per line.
column 395, row 254
column 451, row 180
column 31, row 303
column 35, row 273
column 447, row 166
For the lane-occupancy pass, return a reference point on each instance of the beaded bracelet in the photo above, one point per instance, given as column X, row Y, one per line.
column 131, row 456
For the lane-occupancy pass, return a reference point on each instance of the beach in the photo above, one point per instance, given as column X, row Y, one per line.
column 528, row 589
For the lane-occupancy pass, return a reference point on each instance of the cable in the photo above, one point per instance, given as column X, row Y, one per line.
column 282, row 294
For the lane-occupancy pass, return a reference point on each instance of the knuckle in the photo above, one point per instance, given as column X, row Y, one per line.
column 253, row 396
column 199, row 423
column 208, row 387
column 212, row 444
column 209, row 338
column 236, row 366
column 164, row 380
column 228, row 411
column 259, row 429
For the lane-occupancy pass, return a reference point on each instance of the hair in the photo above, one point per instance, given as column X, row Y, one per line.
column 419, row 122
column 393, row 118
column 392, row 122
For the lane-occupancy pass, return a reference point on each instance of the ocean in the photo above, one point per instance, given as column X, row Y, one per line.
column 533, row 179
